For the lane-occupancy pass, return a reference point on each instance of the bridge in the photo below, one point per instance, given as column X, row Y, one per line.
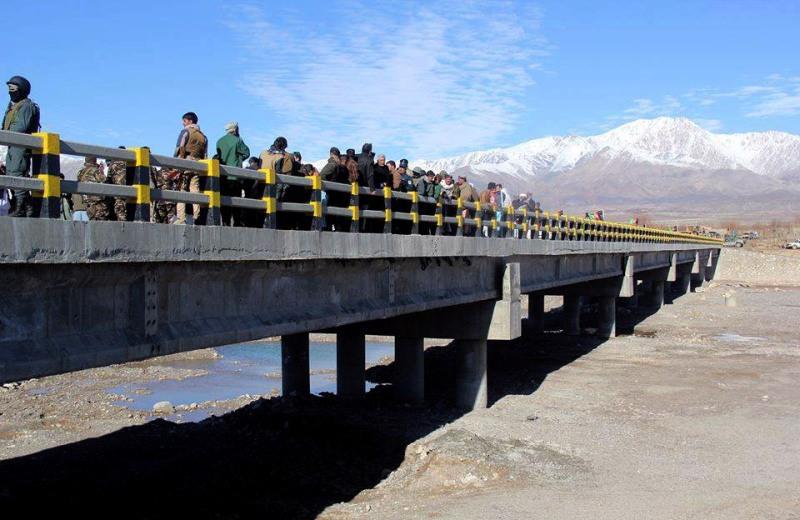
column 89, row 294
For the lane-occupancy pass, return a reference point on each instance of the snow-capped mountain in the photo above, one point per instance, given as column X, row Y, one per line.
column 669, row 165
column 665, row 141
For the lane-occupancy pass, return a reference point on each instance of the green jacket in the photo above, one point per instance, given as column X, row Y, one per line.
column 232, row 151
column 437, row 191
column 19, row 118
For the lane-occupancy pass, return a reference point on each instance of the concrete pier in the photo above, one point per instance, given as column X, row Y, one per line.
column 350, row 365
column 630, row 302
column 536, row 313
column 294, row 361
column 471, row 380
column 409, row 358
column 572, row 314
column 654, row 297
column 696, row 281
column 681, row 285
column 607, row 318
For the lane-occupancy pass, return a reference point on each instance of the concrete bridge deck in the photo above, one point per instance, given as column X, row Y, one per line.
column 82, row 295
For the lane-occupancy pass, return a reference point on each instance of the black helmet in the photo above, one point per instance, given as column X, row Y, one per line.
column 22, row 84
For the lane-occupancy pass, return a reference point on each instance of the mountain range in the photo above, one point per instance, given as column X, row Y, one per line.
column 664, row 165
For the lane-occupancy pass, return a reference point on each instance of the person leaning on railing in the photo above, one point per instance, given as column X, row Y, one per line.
column 193, row 145
column 277, row 159
column 232, row 151
column 335, row 171
column 468, row 194
column 117, row 174
column 96, row 205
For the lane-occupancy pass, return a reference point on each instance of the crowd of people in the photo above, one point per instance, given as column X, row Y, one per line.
column 368, row 170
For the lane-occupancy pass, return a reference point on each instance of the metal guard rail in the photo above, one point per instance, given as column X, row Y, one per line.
column 47, row 187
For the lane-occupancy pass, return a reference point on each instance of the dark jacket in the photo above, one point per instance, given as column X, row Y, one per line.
column 331, row 170
column 366, row 171
column 382, row 175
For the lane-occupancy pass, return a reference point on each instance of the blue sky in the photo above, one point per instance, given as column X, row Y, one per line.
column 417, row 79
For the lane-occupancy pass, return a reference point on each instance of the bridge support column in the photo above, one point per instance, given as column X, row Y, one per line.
column 681, row 284
column 471, row 382
column 350, row 378
column 572, row 314
column 409, row 358
column 294, row 362
column 698, row 271
column 607, row 318
column 655, row 297
column 631, row 302
column 536, row 313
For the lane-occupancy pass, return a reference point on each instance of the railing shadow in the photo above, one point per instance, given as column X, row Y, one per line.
column 286, row 458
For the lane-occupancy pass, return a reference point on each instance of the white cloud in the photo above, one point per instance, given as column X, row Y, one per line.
column 645, row 107
column 712, row 125
column 775, row 96
column 425, row 78
column 777, row 104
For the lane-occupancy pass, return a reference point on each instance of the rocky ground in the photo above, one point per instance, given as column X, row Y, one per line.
column 690, row 413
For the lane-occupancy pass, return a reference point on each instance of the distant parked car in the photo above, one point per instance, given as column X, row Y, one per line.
column 792, row 245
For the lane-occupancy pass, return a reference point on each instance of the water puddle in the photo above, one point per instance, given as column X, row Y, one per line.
column 244, row 369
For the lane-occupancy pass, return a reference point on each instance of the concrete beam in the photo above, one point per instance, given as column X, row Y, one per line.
column 628, row 285
column 62, row 242
column 295, row 375
column 471, row 375
column 409, row 360
column 673, row 268
column 506, row 323
column 493, row 319
column 654, row 274
column 350, row 365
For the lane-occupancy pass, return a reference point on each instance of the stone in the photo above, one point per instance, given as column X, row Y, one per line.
column 164, row 407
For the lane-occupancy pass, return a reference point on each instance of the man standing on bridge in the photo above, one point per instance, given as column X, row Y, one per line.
column 232, row 151
column 96, row 205
column 117, row 174
column 193, row 145
column 22, row 115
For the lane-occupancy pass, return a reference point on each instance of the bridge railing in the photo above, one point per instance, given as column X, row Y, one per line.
column 47, row 187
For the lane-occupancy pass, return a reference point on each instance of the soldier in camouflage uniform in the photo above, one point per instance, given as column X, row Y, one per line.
column 165, row 179
column 117, row 175
column 96, row 206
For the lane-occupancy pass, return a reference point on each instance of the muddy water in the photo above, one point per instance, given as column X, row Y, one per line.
column 244, row 369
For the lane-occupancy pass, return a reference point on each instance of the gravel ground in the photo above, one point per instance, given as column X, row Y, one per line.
column 770, row 267
column 689, row 413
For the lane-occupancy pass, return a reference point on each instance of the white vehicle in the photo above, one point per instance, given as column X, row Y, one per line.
column 792, row 245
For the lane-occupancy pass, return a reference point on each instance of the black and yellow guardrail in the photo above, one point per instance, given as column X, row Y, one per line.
column 47, row 186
